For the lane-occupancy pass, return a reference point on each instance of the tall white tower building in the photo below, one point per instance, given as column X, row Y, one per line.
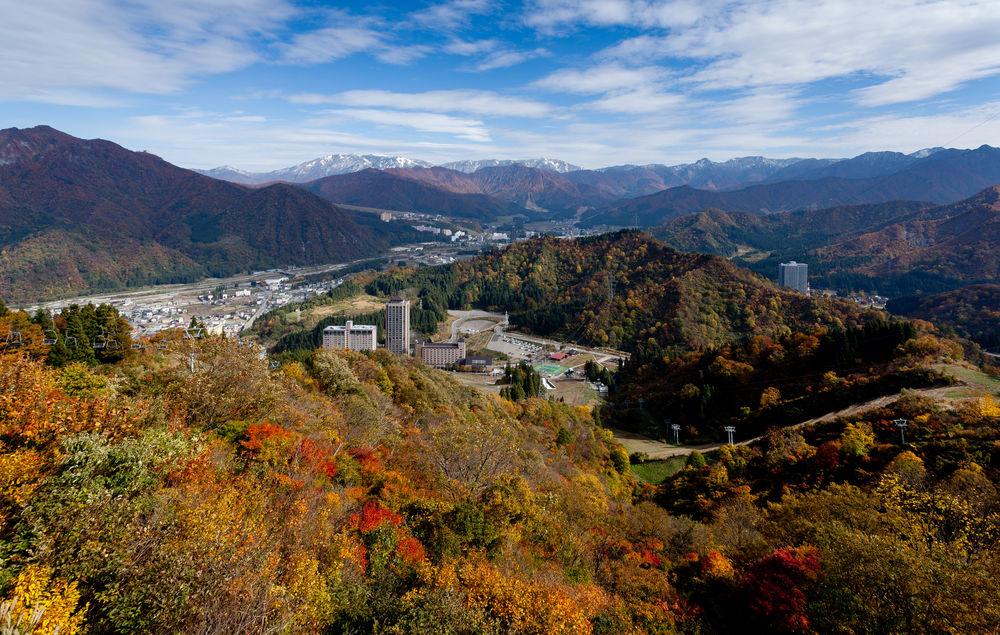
column 397, row 326
column 794, row 275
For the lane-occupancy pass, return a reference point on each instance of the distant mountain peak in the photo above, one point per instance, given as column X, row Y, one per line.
column 542, row 163
column 327, row 165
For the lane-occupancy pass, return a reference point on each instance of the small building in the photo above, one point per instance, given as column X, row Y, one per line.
column 558, row 357
column 355, row 337
column 475, row 364
column 441, row 354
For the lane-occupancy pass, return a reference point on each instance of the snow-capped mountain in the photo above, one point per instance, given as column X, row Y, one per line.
column 328, row 165
column 342, row 164
column 552, row 165
column 229, row 173
column 926, row 152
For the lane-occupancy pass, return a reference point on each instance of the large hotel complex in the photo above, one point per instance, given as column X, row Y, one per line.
column 364, row 337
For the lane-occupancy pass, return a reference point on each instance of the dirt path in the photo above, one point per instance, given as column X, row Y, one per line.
column 659, row 450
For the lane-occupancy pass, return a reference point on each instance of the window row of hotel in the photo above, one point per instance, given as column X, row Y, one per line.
column 364, row 337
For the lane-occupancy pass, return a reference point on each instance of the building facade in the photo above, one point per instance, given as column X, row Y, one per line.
column 397, row 326
column 355, row 337
column 441, row 354
column 794, row 275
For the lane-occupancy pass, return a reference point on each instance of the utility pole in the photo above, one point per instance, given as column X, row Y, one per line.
column 901, row 424
column 611, row 286
column 730, row 430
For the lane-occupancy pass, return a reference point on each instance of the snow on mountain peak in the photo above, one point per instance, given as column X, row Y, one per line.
column 552, row 165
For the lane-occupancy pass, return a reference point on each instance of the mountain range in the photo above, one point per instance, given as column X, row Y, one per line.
column 895, row 248
column 647, row 195
column 81, row 214
column 78, row 214
column 945, row 176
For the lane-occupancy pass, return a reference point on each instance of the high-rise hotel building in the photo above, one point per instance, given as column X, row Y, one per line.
column 397, row 326
column 794, row 275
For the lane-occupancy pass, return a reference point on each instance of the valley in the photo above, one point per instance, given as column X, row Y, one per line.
column 588, row 347
column 465, row 317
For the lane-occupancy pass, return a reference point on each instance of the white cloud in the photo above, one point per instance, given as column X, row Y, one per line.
column 477, row 102
column 461, row 127
column 331, row 43
column 73, row 52
column 350, row 35
column 504, row 59
column 757, row 106
column 550, row 15
column 908, row 50
column 448, row 15
column 473, row 47
column 600, row 79
column 639, row 101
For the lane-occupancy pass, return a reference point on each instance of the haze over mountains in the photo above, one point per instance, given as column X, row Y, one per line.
column 942, row 177
column 648, row 195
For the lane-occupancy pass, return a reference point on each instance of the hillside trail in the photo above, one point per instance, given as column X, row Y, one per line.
column 660, row 450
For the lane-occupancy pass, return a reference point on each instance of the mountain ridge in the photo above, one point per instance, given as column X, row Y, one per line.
column 101, row 216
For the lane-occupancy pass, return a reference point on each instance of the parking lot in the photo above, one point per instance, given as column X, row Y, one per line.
column 516, row 348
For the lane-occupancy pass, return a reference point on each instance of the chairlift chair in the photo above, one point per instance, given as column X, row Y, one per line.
column 51, row 337
column 13, row 339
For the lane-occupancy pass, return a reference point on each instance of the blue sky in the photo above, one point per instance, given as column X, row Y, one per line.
column 263, row 84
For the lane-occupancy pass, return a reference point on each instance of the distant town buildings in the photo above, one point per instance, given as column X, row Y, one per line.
column 441, row 354
column 355, row 337
column 794, row 275
column 397, row 326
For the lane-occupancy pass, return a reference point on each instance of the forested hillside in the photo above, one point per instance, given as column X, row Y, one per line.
column 190, row 487
column 894, row 248
column 79, row 214
column 839, row 527
column 972, row 312
column 619, row 290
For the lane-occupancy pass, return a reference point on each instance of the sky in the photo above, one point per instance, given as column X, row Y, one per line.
column 265, row 84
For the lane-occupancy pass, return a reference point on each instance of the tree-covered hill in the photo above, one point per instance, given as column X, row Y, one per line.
column 191, row 487
column 894, row 248
column 620, row 290
column 973, row 312
column 80, row 214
